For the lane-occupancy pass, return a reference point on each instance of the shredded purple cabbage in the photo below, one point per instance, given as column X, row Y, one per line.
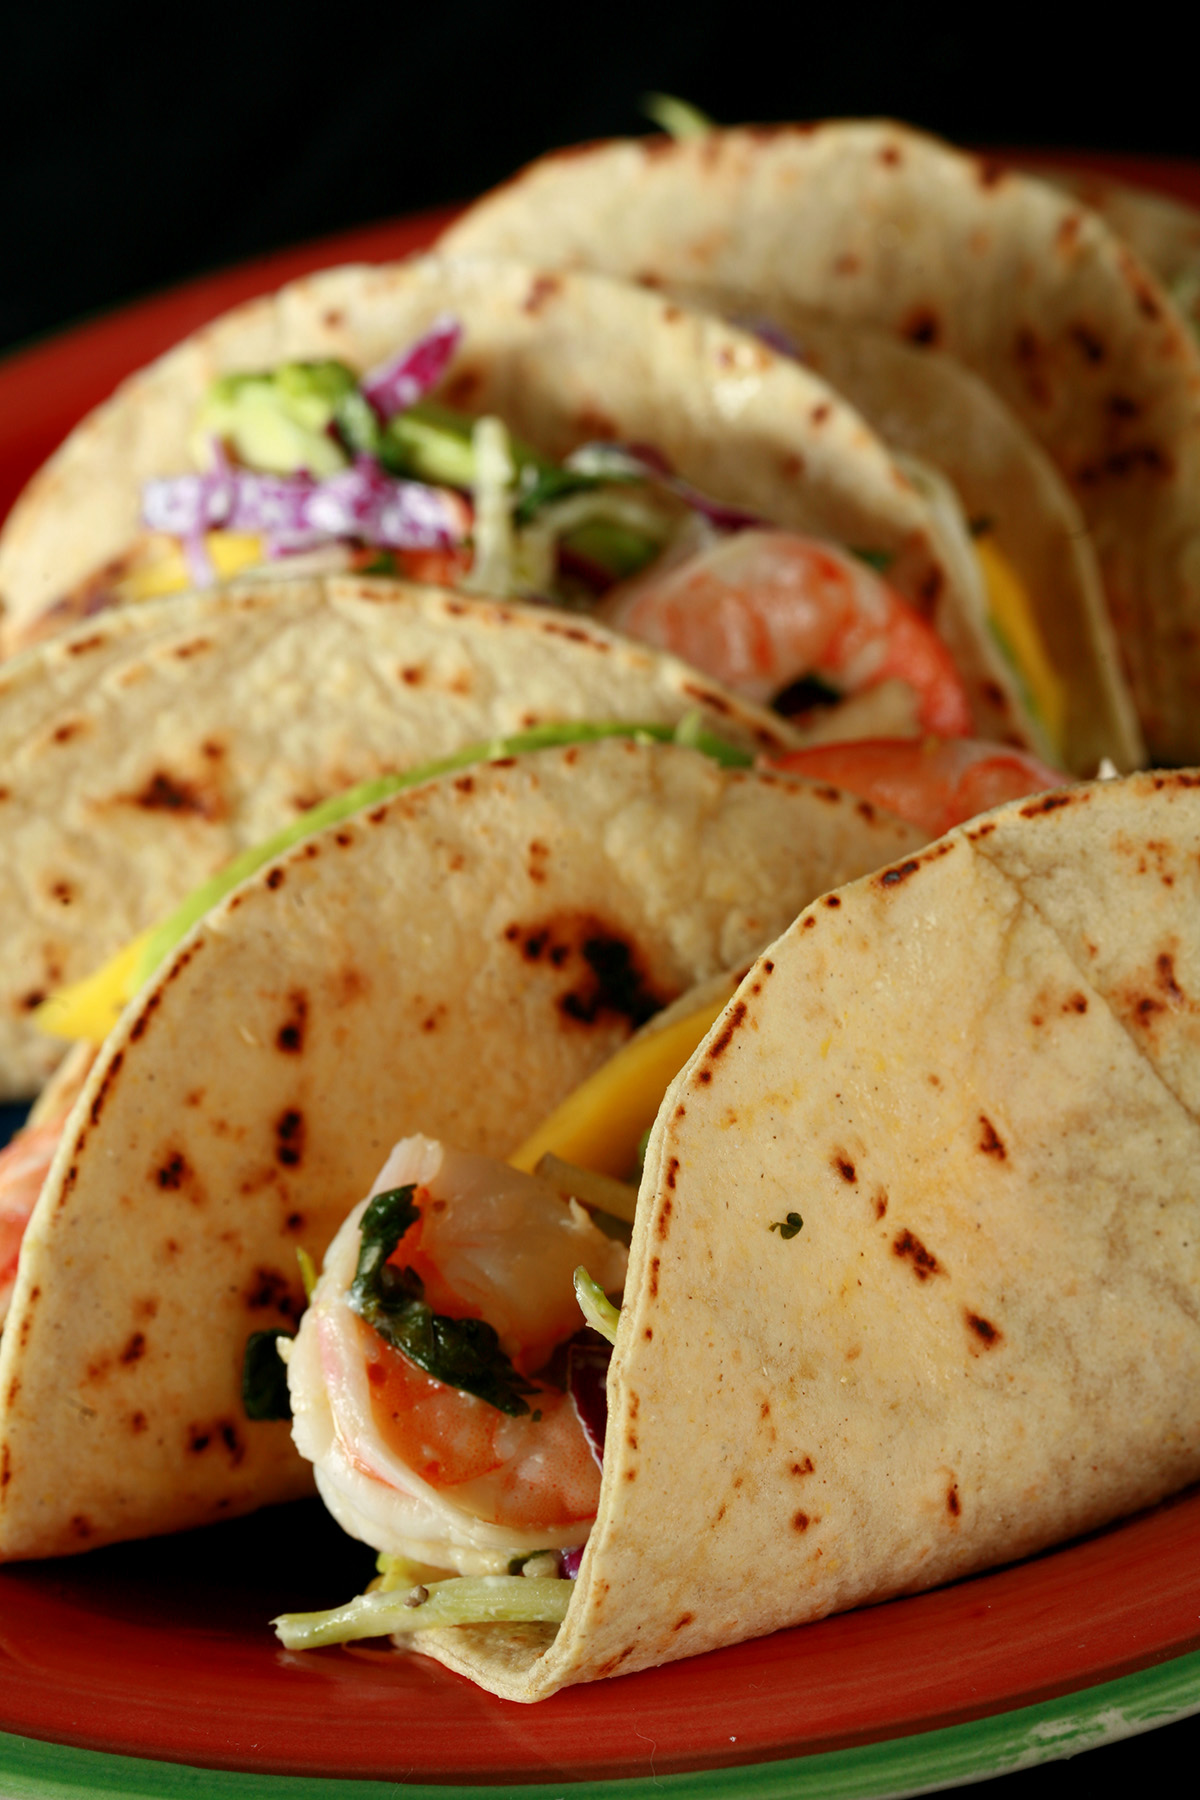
column 569, row 1561
column 409, row 376
column 294, row 512
column 587, row 1376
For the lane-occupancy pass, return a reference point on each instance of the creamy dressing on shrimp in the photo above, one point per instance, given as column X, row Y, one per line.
column 420, row 1469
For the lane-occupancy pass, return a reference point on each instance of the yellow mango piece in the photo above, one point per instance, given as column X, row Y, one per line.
column 89, row 1009
column 229, row 551
column 600, row 1125
column 1013, row 615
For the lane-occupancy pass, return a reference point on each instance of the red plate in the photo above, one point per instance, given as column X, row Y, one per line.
column 162, row 1650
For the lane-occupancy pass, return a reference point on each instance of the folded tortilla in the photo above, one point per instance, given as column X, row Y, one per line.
column 563, row 359
column 873, row 222
column 454, row 960
column 974, row 1075
column 143, row 750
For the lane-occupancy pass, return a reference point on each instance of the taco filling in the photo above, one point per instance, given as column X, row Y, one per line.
column 311, row 465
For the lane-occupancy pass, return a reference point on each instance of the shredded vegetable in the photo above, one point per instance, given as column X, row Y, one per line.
column 460, row 1600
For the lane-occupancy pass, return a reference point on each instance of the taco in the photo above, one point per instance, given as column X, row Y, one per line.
column 144, row 749
column 512, row 432
column 874, row 223
column 1161, row 230
column 455, row 958
column 913, row 1212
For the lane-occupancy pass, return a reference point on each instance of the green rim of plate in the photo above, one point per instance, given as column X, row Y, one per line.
column 998, row 1745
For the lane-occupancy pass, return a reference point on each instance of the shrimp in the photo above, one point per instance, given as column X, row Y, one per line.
column 418, row 1467
column 932, row 784
column 761, row 609
column 24, row 1165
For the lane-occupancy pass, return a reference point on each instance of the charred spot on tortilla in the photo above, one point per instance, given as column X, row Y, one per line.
column 174, row 1172
column 989, row 1335
column 137, row 1422
column 1076, row 1003
column 655, row 1265
column 990, row 1141
column 879, row 1200
column 290, row 1036
column 899, row 872
column 462, row 387
column 289, row 1138
column 543, row 288
column 1165, row 965
column 845, row 1168
column 953, row 1503
column 220, row 1431
column 1089, row 344
column 800, row 1521
column 271, row 1289
column 70, row 728
column 81, row 1526
column 922, row 327
column 31, row 1001
column 135, row 1349
column 663, row 1222
column 110, row 1075
column 164, row 792
column 910, row 1249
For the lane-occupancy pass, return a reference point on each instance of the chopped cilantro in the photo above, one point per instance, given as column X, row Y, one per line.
column 463, row 1353
column 787, row 1228
column 264, row 1378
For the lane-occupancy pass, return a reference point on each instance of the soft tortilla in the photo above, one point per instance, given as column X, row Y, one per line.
column 563, row 359
column 143, row 750
column 873, row 222
column 976, row 1077
column 454, row 961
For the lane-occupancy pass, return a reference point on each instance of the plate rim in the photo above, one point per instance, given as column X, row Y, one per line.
column 995, row 1743
column 917, row 1762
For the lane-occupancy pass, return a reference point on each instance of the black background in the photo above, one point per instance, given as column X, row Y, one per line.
column 141, row 144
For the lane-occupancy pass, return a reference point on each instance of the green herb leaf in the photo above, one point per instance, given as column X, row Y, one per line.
column 463, row 1353
column 264, row 1377
column 787, row 1228
column 879, row 560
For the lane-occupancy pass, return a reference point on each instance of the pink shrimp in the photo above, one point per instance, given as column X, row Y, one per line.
column 933, row 784
column 402, row 1458
column 24, row 1164
column 759, row 610
column 507, row 1471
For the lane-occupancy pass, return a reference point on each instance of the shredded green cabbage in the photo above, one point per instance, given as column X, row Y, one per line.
column 460, row 1600
column 595, row 1305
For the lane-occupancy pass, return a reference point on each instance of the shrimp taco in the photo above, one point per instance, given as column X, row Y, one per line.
column 510, row 432
column 873, row 223
column 454, row 958
column 143, row 749
column 914, row 1209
